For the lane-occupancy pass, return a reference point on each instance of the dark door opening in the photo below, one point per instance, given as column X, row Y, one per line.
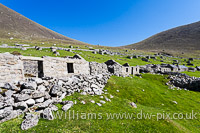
column 70, row 67
column 40, row 69
column 126, row 69
column 132, row 70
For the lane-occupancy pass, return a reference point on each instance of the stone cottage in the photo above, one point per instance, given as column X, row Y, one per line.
column 173, row 68
column 182, row 68
column 15, row 68
column 121, row 70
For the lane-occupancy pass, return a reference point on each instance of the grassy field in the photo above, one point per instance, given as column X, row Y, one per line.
column 195, row 74
column 150, row 94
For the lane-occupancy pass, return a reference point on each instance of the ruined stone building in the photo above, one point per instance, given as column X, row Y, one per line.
column 19, row 67
column 121, row 70
column 16, row 68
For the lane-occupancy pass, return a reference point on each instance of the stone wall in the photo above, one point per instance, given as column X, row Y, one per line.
column 57, row 67
column 30, row 68
column 11, row 68
column 126, row 71
column 98, row 68
column 15, row 68
column 20, row 67
column 163, row 68
column 135, row 70
column 116, row 69
column 184, row 81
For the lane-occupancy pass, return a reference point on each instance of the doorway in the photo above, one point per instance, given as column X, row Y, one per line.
column 132, row 70
column 70, row 68
column 40, row 69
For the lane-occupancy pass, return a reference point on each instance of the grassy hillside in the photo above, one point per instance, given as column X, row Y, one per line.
column 150, row 94
column 195, row 74
column 16, row 26
column 180, row 39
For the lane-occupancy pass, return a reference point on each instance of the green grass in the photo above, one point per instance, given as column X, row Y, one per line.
column 195, row 74
column 149, row 93
column 37, row 53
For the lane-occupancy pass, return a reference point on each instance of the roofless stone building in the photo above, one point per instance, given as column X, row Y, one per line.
column 16, row 68
column 19, row 67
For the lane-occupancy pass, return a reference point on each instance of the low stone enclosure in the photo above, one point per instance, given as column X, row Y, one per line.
column 183, row 81
column 163, row 68
column 176, row 79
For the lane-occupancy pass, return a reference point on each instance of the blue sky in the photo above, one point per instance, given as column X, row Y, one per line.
column 108, row 22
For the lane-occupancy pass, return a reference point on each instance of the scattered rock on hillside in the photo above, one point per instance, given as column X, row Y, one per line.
column 67, row 106
column 133, row 105
column 111, row 96
column 47, row 114
column 99, row 104
column 30, row 121
column 103, row 102
column 92, row 101
column 83, row 102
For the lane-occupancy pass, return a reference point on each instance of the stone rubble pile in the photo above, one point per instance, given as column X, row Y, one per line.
column 37, row 97
column 184, row 81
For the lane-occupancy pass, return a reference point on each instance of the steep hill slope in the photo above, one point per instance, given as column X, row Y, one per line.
column 183, row 38
column 14, row 25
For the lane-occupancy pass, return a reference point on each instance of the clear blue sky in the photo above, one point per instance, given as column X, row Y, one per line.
column 108, row 22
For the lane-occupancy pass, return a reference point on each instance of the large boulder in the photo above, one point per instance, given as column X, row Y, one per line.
column 10, row 86
column 133, row 105
column 9, row 93
column 41, row 88
column 30, row 102
column 53, row 107
column 6, row 101
column 20, row 105
column 45, row 104
column 39, row 100
column 27, row 91
column 55, row 90
column 8, row 113
column 30, row 121
column 47, row 114
column 67, row 106
column 5, row 112
column 29, row 85
column 21, row 97
column 38, row 81
column 37, row 94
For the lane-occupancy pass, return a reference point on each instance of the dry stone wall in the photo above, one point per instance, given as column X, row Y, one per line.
column 11, row 68
column 15, row 68
column 57, row 67
column 98, row 68
column 30, row 68
column 20, row 67
column 184, row 81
